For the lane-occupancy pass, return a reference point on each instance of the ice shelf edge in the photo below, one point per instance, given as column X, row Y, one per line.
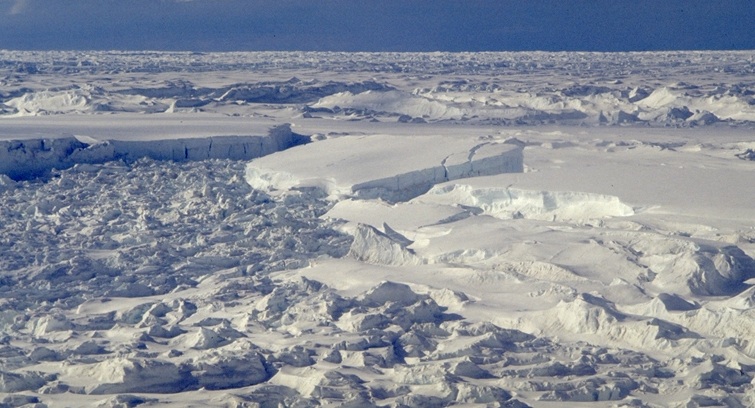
column 30, row 158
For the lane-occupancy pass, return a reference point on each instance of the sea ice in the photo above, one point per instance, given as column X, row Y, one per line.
column 483, row 229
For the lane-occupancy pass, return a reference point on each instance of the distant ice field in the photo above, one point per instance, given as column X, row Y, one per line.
column 358, row 229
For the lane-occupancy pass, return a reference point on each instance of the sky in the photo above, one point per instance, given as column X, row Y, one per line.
column 377, row 25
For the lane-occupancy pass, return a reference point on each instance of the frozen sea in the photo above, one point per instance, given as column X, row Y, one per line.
column 377, row 229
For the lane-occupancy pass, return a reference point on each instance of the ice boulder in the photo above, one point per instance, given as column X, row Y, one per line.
column 702, row 118
column 229, row 369
column 14, row 382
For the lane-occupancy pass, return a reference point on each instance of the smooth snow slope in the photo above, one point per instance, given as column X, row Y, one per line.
column 470, row 229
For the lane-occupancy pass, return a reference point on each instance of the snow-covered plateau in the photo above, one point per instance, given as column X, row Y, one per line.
column 353, row 229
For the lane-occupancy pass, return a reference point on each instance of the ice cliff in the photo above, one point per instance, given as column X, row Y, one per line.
column 28, row 158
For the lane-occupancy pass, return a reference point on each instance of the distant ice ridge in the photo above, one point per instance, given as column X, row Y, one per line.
column 663, row 106
column 390, row 101
column 170, row 97
column 24, row 159
column 500, row 88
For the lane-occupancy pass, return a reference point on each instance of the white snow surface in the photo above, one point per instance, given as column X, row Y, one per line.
column 469, row 229
column 380, row 166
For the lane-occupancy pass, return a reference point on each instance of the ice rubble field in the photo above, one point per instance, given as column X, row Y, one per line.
column 346, row 229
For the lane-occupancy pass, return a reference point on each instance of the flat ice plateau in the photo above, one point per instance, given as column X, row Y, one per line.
column 399, row 230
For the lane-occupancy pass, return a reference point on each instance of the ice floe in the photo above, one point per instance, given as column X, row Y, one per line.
column 378, row 172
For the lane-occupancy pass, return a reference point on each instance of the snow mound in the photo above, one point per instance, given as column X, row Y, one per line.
column 587, row 313
column 128, row 375
column 512, row 203
column 202, row 339
column 690, row 267
column 50, row 323
column 310, row 382
column 51, row 102
column 371, row 169
column 125, row 400
column 401, row 307
column 82, row 100
column 229, row 368
column 596, row 317
column 702, row 118
column 660, row 97
column 292, row 91
column 373, row 246
column 390, row 292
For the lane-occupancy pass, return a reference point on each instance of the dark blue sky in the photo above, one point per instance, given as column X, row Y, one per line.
column 378, row 25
